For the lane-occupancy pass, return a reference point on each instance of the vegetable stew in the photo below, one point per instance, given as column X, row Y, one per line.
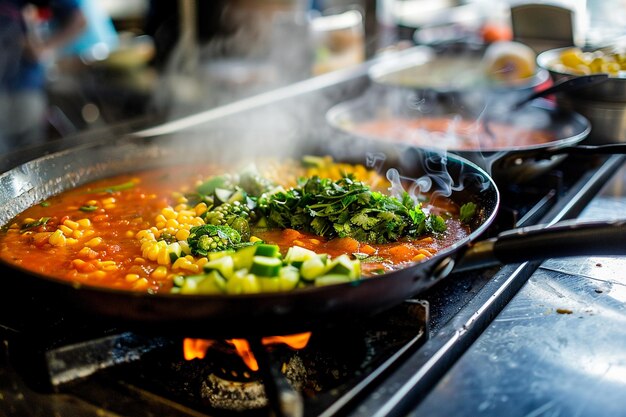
column 272, row 226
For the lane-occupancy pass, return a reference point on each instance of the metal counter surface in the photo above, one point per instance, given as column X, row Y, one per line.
column 558, row 348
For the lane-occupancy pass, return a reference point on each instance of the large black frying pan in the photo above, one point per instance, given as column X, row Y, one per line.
column 269, row 313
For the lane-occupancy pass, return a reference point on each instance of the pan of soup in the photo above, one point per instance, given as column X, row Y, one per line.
column 184, row 236
column 487, row 130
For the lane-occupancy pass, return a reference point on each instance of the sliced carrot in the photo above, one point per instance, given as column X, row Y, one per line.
column 366, row 249
column 346, row 244
column 401, row 252
column 291, row 234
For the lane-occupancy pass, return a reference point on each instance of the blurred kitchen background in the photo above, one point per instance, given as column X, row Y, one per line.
column 138, row 63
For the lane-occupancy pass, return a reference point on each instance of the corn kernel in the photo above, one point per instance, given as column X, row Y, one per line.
column 99, row 274
column 173, row 223
column 109, row 206
column 129, row 233
column 163, row 258
column 139, row 260
column 71, row 224
column 71, row 241
column 182, row 234
column 254, row 239
column 200, row 208
column 159, row 273
column 141, row 284
column 109, row 200
column 92, row 243
column 131, row 277
column 168, row 213
column 419, row 257
column 66, row 230
column 57, row 238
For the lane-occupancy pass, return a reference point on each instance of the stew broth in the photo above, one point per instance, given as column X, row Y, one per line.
column 453, row 134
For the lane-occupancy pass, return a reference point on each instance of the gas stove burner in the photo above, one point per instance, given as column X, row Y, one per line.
column 233, row 395
column 247, row 391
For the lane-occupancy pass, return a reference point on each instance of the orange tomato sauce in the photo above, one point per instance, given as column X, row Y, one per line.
column 91, row 234
column 453, row 134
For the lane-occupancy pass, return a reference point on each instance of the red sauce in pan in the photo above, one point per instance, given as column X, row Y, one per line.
column 99, row 223
column 453, row 134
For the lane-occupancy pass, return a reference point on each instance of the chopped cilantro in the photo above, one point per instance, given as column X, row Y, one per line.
column 467, row 212
column 347, row 208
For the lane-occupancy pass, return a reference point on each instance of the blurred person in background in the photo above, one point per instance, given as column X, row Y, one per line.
column 30, row 33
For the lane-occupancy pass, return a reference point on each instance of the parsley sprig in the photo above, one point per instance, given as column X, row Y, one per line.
column 348, row 208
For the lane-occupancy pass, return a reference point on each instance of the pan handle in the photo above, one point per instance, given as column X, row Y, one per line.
column 563, row 239
column 615, row 148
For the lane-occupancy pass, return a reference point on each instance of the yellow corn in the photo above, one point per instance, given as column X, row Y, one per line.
column 92, row 243
column 141, row 284
column 71, row 224
column 419, row 257
column 159, row 273
column 66, row 230
column 131, row 277
column 163, row 258
column 182, row 234
column 57, row 238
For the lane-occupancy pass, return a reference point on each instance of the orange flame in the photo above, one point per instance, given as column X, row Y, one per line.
column 294, row 341
column 243, row 350
column 196, row 348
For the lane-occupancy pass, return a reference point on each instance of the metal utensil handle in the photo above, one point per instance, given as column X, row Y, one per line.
column 569, row 84
column 568, row 238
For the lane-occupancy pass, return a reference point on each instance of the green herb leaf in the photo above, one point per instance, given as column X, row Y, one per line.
column 27, row 226
column 467, row 212
column 113, row 188
column 88, row 208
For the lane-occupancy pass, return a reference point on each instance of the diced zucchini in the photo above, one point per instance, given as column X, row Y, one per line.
column 209, row 186
column 299, row 254
column 214, row 283
column 243, row 257
column 331, row 279
column 225, row 265
column 238, row 195
column 289, row 277
column 243, row 283
column 178, row 280
column 341, row 265
column 250, row 284
column 223, row 194
column 312, row 268
column 262, row 222
column 264, row 249
column 174, row 250
column 216, row 255
column 265, row 266
column 269, row 284
column 184, row 247
column 313, row 161
column 203, row 284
